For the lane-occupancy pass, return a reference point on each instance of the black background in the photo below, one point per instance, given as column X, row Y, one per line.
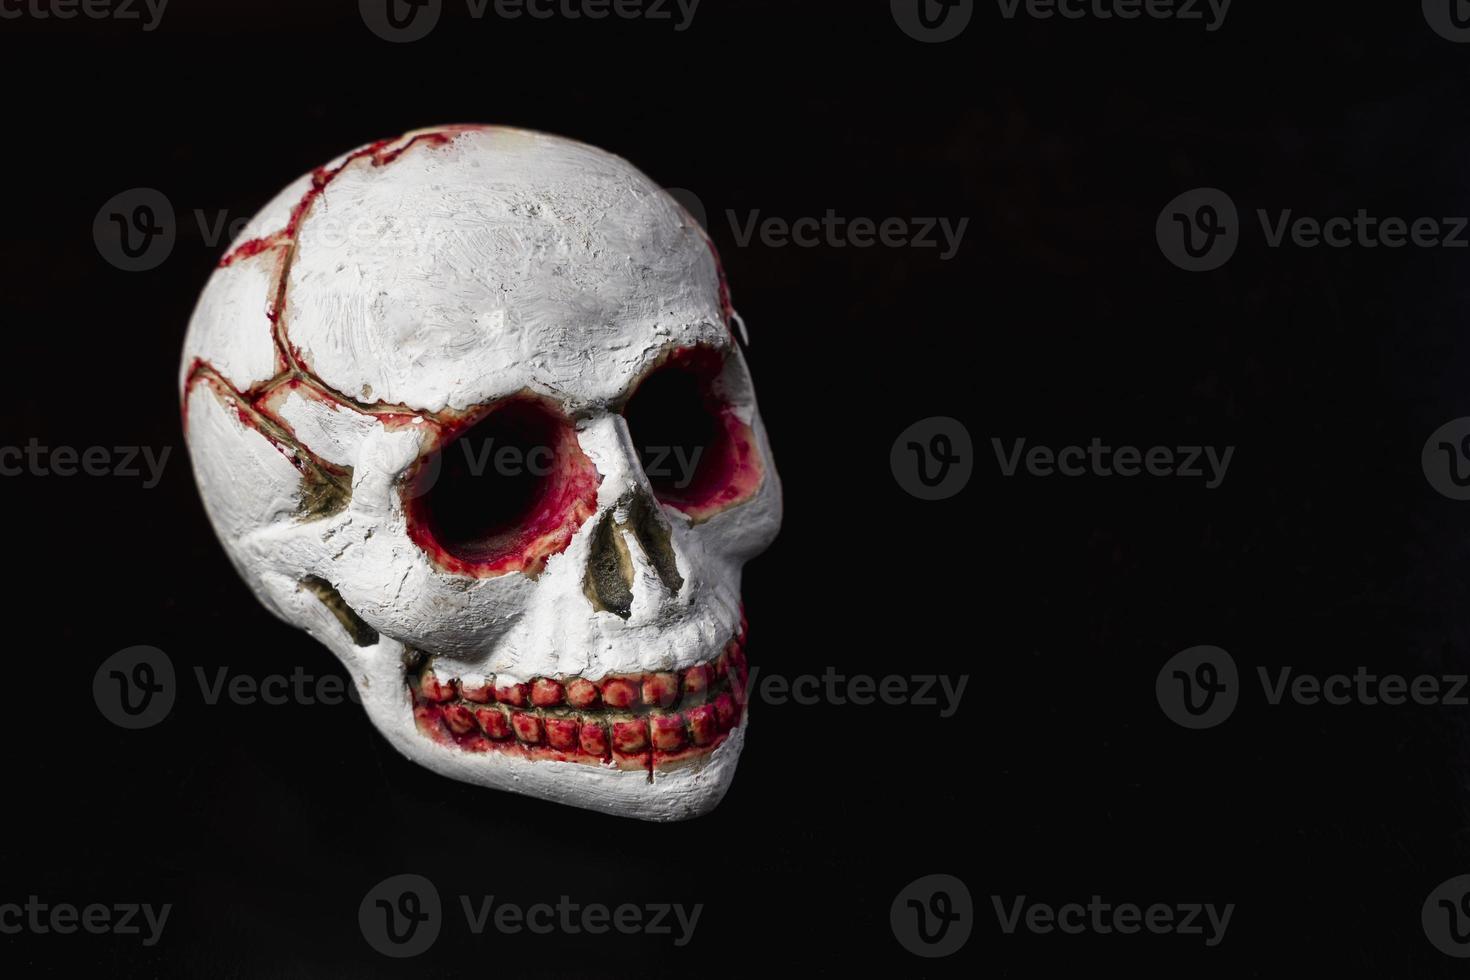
column 1059, row 778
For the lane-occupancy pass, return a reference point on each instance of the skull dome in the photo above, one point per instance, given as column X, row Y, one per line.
column 465, row 406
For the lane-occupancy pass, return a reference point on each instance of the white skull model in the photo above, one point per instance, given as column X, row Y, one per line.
column 466, row 407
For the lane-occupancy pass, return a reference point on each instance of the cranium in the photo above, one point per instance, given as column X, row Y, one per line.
column 466, row 407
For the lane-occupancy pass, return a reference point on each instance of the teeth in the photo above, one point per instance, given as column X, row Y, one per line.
column 524, row 714
column 495, row 722
column 582, row 694
column 514, row 695
column 593, row 739
column 703, row 724
column 726, row 711
column 561, row 733
column 661, row 689
column 427, row 718
column 619, row 693
column 546, row 693
column 668, row 732
column 477, row 690
column 459, row 719
column 527, row 727
column 696, row 681
column 630, row 736
column 433, row 688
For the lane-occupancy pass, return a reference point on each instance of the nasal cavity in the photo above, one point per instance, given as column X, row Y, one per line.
column 609, row 580
column 657, row 540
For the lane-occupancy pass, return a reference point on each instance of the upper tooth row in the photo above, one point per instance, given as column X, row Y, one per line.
column 661, row 689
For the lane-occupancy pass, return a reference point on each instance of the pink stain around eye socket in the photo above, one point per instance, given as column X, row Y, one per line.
column 563, row 497
column 730, row 475
column 730, row 470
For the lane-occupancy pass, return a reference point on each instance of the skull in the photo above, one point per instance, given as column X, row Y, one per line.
column 466, row 407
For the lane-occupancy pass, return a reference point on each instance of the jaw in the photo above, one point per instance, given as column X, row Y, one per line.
column 658, row 746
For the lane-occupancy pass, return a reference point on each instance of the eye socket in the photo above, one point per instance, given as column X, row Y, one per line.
column 698, row 456
column 504, row 494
